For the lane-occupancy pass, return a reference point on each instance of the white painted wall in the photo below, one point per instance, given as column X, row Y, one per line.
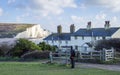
column 79, row 41
column 57, row 43
column 74, row 42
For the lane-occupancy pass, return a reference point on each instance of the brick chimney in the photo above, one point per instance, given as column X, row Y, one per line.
column 89, row 25
column 59, row 29
column 72, row 28
column 107, row 25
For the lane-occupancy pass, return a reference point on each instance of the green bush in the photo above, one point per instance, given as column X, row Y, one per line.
column 36, row 55
column 47, row 47
column 9, row 59
column 22, row 46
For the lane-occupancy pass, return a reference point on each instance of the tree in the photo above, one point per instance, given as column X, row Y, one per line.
column 22, row 46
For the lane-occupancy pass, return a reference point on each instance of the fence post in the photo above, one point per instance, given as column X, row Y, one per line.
column 113, row 52
column 80, row 55
column 104, row 54
column 91, row 55
column 51, row 57
column 100, row 55
column 66, row 58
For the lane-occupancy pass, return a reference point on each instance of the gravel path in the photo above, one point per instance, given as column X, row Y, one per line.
column 99, row 66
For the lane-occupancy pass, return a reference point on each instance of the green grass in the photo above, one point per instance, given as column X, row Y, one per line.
column 36, row 68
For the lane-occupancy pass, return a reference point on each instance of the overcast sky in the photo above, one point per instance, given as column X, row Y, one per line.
column 51, row 13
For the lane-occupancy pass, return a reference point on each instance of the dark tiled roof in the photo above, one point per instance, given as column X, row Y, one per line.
column 56, row 36
column 95, row 32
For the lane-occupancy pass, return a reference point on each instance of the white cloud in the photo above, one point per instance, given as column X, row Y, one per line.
column 11, row 1
column 115, row 22
column 77, row 19
column 46, row 7
column 1, row 11
column 101, row 16
column 114, row 19
column 113, row 5
column 53, row 6
column 21, row 17
column 83, row 6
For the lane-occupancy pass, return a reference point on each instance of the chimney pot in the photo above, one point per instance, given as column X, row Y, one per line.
column 89, row 25
column 72, row 28
column 59, row 29
column 107, row 24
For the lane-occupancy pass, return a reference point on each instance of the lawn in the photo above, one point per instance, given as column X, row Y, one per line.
column 36, row 68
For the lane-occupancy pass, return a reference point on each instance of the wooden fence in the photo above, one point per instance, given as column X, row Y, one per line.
column 63, row 57
column 104, row 55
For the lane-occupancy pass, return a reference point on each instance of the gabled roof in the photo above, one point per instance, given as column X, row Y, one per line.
column 95, row 32
column 56, row 36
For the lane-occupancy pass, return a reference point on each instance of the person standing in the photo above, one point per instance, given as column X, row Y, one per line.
column 72, row 57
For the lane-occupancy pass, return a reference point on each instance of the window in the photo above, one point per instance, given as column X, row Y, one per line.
column 76, row 47
column 82, row 37
column 75, row 37
column 66, row 42
column 94, row 38
column 98, row 37
column 60, row 41
column 52, row 41
column 47, row 41
column 103, row 37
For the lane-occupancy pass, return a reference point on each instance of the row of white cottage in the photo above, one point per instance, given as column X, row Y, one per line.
column 82, row 36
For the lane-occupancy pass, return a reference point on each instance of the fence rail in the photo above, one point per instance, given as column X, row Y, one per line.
column 104, row 55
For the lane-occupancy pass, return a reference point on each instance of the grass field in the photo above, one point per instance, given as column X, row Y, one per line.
column 36, row 68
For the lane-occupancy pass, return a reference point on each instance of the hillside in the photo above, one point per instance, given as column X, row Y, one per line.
column 9, row 30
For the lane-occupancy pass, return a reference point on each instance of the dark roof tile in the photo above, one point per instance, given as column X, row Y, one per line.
column 56, row 36
column 95, row 32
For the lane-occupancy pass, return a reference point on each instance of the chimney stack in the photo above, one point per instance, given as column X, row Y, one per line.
column 72, row 28
column 107, row 25
column 59, row 29
column 89, row 25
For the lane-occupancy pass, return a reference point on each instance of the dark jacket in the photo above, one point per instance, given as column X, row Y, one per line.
column 72, row 54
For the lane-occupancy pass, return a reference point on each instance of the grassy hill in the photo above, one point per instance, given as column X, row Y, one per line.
column 9, row 30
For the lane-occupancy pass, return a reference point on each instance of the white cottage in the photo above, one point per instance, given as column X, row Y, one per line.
column 81, row 36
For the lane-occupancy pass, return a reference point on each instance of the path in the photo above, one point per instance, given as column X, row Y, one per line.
column 99, row 66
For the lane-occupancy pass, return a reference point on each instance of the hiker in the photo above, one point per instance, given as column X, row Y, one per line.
column 72, row 57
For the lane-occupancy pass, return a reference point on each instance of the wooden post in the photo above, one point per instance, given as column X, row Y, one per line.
column 104, row 54
column 66, row 58
column 100, row 55
column 113, row 52
column 91, row 55
column 80, row 55
column 51, row 57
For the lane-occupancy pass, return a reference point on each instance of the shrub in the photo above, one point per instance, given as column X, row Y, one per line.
column 36, row 55
column 108, row 44
column 22, row 46
column 5, row 48
column 45, row 46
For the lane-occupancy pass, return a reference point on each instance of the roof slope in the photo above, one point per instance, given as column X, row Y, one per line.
column 95, row 32
column 56, row 36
